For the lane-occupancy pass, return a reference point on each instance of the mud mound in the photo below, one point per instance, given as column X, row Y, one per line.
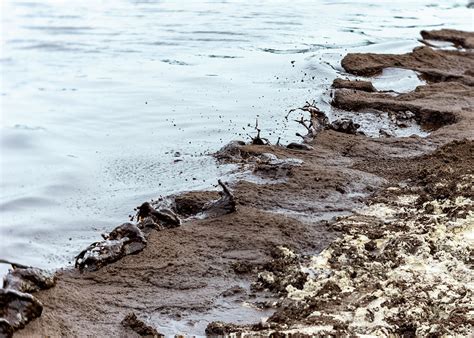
column 459, row 38
column 435, row 65
column 434, row 105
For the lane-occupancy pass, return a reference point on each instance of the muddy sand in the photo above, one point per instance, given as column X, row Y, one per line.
column 342, row 234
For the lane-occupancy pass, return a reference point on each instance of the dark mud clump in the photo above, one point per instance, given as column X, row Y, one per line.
column 140, row 327
column 29, row 279
column 221, row 329
column 17, row 309
column 124, row 240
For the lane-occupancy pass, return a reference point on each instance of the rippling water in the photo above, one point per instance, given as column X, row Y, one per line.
column 97, row 97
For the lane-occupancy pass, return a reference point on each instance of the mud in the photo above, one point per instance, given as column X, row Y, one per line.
column 459, row 38
column 358, row 236
column 365, row 86
column 140, row 327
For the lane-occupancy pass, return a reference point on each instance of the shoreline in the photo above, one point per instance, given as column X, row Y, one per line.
column 263, row 253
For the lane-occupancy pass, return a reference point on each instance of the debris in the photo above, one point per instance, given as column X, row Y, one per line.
column 317, row 122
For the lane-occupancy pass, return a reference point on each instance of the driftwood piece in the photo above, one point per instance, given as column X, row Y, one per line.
column 316, row 123
column 224, row 205
column 16, row 310
column 124, row 240
column 258, row 140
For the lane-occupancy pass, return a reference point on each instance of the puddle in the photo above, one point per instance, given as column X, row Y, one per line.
column 445, row 45
column 397, row 80
column 226, row 309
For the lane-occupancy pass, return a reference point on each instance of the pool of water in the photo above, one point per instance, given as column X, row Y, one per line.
column 105, row 104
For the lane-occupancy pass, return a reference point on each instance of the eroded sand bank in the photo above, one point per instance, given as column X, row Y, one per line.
column 396, row 259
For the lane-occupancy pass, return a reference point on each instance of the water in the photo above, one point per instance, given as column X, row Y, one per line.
column 98, row 96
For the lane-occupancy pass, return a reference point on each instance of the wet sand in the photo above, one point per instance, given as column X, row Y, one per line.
column 402, row 207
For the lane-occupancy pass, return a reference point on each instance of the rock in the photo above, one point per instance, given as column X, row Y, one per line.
column 29, row 279
column 365, row 86
column 299, row 146
column 17, row 309
column 165, row 217
column 140, row 327
column 346, row 126
column 124, row 240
